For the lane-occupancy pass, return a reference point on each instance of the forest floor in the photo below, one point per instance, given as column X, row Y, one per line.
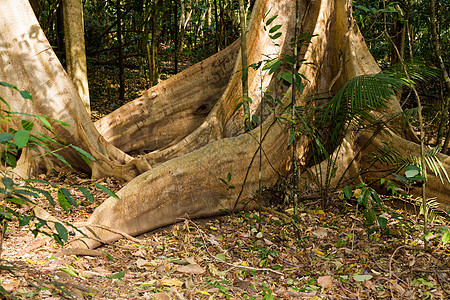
column 248, row 255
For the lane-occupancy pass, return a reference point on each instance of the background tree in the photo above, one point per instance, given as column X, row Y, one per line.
column 75, row 48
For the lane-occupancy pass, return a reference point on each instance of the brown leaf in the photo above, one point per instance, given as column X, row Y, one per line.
column 191, row 269
column 325, row 281
column 170, row 282
column 161, row 296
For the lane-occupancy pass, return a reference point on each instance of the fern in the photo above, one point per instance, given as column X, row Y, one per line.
column 432, row 161
column 431, row 206
column 418, row 71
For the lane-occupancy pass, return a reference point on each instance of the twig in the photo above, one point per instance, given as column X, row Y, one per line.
column 392, row 257
column 123, row 234
column 285, row 217
column 227, row 263
column 80, row 251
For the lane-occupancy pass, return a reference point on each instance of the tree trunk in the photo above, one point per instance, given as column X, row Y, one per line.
column 183, row 178
column 75, row 48
column 120, row 51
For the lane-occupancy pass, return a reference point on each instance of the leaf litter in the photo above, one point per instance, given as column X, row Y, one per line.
column 247, row 255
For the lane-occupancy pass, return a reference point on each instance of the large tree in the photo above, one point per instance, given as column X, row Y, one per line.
column 186, row 128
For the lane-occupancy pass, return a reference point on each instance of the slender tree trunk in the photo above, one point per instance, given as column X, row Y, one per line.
column 175, row 32
column 243, row 18
column 152, row 49
column 120, row 51
column 217, row 28
column 438, row 51
column 75, row 48
column 60, row 47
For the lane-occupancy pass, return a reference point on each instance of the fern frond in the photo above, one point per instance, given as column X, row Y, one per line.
column 418, row 71
column 431, row 206
column 387, row 155
column 408, row 114
column 362, row 93
column 432, row 161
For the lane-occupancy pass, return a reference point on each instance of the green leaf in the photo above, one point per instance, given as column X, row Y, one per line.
column 8, row 183
column 26, row 95
column 106, row 190
column 411, row 171
column 118, row 275
column 291, row 137
column 86, row 193
column 221, row 256
column 63, row 201
column 9, row 85
column 274, row 28
column 272, row 65
column 275, row 36
column 287, row 76
column 17, row 201
column 271, row 20
column 44, row 121
column 6, row 216
column 10, row 160
column 62, row 231
column 61, row 159
column 83, row 153
column 229, row 176
column 382, row 221
column 6, row 137
column 69, row 197
column 25, row 192
column 369, row 214
column 446, row 237
column 27, row 125
column 21, row 138
column 71, row 271
column 38, row 181
column 361, row 278
column 43, row 192
column 362, row 8
column 348, row 192
column 25, row 220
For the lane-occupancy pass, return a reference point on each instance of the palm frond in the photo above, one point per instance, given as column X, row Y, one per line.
column 417, row 70
column 432, row 161
column 408, row 114
column 431, row 205
column 361, row 94
column 387, row 155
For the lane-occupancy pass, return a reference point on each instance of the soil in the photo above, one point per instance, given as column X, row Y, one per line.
column 247, row 255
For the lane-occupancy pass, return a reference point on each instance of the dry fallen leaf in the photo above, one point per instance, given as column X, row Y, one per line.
column 142, row 263
column 161, row 296
column 320, row 233
column 170, row 282
column 325, row 282
column 191, row 269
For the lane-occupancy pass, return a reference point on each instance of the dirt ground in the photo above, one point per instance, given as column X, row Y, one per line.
column 247, row 255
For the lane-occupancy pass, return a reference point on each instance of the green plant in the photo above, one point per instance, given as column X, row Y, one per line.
column 15, row 193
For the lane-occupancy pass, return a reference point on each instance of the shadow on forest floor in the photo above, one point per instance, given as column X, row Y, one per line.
column 240, row 256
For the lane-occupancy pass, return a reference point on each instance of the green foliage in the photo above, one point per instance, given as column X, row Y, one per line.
column 16, row 193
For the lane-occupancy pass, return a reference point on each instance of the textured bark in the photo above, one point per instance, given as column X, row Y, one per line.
column 28, row 61
column 75, row 48
column 171, row 110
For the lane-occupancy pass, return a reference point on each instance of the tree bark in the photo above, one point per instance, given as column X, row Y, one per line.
column 75, row 48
